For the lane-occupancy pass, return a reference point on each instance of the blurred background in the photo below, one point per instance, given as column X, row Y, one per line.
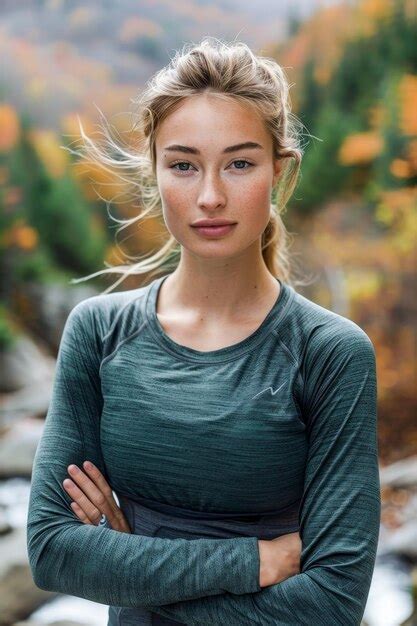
column 352, row 67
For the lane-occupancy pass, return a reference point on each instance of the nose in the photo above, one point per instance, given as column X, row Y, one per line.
column 211, row 195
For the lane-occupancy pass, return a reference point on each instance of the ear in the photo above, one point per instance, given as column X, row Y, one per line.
column 277, row 170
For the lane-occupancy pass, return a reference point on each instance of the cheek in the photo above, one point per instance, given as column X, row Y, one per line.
column 254, row 202
column 257, row 192
column 174, row 200
column 175, row 209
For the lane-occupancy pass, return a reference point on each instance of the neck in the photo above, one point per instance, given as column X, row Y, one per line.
column 218, row 289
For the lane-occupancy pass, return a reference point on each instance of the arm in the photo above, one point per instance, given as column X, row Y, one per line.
column 340, row 508
column 96, row 562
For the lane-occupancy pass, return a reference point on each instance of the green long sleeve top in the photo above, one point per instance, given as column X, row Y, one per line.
column 286, row 417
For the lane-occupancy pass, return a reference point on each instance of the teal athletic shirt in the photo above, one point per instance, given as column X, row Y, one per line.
column 285, row 419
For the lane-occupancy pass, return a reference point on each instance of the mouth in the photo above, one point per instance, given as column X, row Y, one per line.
column 214, row 231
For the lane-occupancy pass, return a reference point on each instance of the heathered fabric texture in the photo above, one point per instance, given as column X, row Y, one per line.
column 284, row 420
column 164, row 520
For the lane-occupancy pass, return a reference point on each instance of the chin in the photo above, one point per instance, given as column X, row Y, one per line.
column 216, row 248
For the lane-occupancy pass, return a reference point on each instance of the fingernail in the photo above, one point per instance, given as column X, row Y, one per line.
column 73, row 468
column 88, row 465
column 67, row 483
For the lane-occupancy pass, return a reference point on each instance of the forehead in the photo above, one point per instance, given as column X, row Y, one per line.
column 208, row 120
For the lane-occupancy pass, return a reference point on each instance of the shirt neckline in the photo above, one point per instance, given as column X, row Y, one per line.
column 272, row 319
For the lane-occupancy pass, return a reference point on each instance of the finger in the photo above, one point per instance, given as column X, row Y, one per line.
column 93, row 501
column 90, row 509
column 99, row 499
column 97, row 477
column 80, row 513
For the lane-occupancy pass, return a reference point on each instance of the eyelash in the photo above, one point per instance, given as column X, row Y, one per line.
column 235, row 161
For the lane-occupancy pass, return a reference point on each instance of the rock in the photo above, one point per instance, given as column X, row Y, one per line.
column 51, row 304
column 19, row 595
column 5, row 527
column 18, row 446
column 403, row 540
column 400, row 474
column 31, row 401
column 24, row 365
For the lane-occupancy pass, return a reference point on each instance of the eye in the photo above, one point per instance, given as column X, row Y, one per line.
column 243, row 161
column 175, row 167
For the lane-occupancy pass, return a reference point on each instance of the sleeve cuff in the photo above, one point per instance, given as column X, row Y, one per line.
column 247, row 568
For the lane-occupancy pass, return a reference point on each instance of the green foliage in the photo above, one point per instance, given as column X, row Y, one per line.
column 8, row 335
column 367, row 74
column 321, row 174
column 61, row 215
column 395, row 143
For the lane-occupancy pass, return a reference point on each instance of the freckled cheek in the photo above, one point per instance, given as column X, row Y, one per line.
column 177, row 210
column 257, row 194
column 255, row 203
column 175, row 201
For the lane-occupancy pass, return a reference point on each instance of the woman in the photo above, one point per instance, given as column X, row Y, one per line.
column 230, row 415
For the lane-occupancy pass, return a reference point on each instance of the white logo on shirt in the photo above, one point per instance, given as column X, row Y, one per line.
column 269, row 389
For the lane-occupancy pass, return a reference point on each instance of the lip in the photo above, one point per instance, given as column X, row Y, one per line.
column 211, row 232
column 215, row 222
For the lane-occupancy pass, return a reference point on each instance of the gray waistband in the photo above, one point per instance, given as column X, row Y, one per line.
column 144, row 514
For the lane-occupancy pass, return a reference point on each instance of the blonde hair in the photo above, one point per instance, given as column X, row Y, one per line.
column 228, row 71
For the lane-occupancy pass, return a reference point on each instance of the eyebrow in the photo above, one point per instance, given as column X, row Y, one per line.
column 247, row 145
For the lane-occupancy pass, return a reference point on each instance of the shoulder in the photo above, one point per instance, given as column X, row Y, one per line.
column 107, row 318
column 335, row 355
column 319, row 333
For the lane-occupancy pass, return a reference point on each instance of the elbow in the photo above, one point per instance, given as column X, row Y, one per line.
column 41, row 581
column 344, row 601
column 40, row 547
column 41, row 572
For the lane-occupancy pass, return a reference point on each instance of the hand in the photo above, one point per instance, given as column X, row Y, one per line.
column 93, row 497
column 279, row 558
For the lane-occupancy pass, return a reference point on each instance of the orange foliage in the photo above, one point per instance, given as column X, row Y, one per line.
column 70, row 126
column 400, row 168
column 113, row 256
column 377, row 273
column 407, row 94
column 377, row 116
column 97, row 181
column 46, row 145
column 26, row 237
column 9, row 127
column 21, row 235
column 412, row 155
column 368, row 13
column 321, row 39
column 360, row 148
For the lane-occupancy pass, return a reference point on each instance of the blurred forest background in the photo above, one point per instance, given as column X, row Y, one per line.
column 352, row 66
column 353, row 71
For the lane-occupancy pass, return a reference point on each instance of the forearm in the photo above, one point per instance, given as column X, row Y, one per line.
column 339, row 512
column 302, row 600
column 106, row 566
column 98, row 563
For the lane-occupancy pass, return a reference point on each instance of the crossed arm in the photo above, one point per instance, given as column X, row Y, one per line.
column 95, row 562
column 340, row 507
column 206, row 581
